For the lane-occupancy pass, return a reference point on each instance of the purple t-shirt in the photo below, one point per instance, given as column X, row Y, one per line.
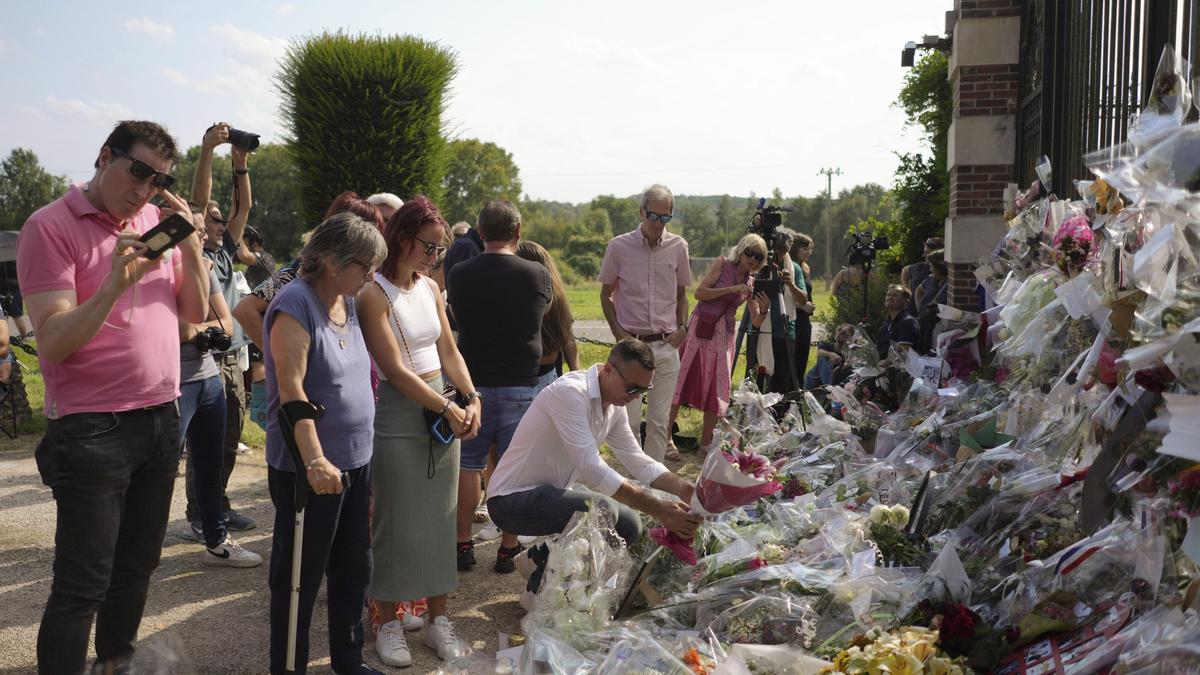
column 337, row 378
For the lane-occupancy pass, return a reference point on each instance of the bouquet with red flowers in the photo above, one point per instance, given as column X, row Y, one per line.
column 727, row 480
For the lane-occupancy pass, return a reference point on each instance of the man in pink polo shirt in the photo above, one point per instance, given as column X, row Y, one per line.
column 645, row 278
column 108, row 343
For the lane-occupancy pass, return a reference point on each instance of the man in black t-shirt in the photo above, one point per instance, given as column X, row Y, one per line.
column 499, row 300
column 900, row 327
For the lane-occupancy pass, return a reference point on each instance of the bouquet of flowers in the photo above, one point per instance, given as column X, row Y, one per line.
column 1073, row 244
column 911, row 649
column 726, row 481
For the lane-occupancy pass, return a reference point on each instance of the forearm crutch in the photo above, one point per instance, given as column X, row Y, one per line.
column 290, row 414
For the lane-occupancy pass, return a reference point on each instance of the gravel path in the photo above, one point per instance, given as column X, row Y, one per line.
column 213, row 619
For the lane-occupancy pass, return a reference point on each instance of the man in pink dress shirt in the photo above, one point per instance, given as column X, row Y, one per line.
column 645, row 277
column 107, row 322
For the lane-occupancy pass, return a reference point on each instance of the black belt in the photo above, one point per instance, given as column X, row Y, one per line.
column 149, row 408
column 653, row 337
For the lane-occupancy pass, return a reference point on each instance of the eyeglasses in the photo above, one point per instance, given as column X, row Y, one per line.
column 216, row 219
column 664, row 218
column 432, row 249
column 141, row 170
column 749, row 253
column 367, row 269
column 631, row 389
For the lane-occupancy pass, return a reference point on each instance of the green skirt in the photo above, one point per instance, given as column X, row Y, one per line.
column 414, row 482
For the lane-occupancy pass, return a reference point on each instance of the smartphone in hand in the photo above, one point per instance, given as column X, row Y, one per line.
column 166, row 235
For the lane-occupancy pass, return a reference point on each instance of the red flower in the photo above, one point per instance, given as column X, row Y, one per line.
column 957, row 627
column 1156, row 379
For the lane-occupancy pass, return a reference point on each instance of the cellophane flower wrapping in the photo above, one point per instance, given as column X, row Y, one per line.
column 727, row 480
column 586, row 576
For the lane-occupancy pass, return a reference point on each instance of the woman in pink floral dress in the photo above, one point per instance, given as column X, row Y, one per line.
column 704, row 367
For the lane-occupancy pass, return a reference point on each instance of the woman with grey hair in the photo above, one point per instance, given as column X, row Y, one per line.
column 314, row 351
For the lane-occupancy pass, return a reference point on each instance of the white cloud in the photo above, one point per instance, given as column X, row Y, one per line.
column 284, row 8
column 159, row 31
column 250, row 44
column 96, row 112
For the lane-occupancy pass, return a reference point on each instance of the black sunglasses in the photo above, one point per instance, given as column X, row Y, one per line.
column 141, row 170
column 664, row 218
column 432, row 249
column 753, row 254
column 632, row 389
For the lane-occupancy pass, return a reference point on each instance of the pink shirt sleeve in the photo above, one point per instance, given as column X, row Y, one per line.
column 45, row 259
column 684, row 270
column 610, row 267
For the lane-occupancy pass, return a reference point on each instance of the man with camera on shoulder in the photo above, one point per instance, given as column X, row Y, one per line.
column 224, row 247
column 105, row 305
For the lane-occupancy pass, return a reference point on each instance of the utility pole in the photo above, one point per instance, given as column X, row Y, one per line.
column 829, row 174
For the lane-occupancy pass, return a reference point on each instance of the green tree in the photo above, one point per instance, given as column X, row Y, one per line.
column 697, row 222
column 595, row 222
column 25, row 187
column 476, row 173
column 922, row 186
column 550, row 224
column 274, row 186
column 622, row 212
column 584, row 254
column 364, row 113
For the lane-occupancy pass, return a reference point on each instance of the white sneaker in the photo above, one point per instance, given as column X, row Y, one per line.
column 489, row 532
column 392, row 646
column 527, row 600
column 411, row 621
column 526, row 539
column 440, row 637
column 524, row 564
column 243, row 449
column 231, row 554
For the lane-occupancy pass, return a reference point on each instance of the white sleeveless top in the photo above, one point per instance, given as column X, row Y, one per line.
column 416, row 313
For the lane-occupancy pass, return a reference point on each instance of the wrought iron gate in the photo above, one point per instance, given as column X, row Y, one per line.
column 1085, row 66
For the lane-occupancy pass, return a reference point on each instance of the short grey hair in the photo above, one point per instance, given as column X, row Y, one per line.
column 784, row 236
column 386, row 199
column 654, row 192
column 342, row 239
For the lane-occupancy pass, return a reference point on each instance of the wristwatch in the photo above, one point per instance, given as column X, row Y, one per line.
column 467, row 397
column 241, row 172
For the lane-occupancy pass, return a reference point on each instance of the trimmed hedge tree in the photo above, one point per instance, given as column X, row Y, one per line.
column 364, row 113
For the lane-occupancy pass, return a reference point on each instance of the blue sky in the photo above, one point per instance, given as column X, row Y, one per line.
column 590, row 97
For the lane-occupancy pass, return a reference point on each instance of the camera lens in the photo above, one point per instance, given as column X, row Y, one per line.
column 244, row 140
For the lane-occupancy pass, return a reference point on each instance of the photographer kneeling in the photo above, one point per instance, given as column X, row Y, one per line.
column 558, row 441
column 202, row 419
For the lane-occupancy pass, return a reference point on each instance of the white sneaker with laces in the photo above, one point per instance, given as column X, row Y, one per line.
column 411, row 621
column 392, row 645
column 440, row 637
column 489, row 532
column 231, row 554
column 526, row 539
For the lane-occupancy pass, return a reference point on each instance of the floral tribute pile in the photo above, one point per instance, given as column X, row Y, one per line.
column 1034, row 507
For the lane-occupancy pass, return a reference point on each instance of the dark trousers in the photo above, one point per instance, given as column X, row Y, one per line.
column 112, row 475
column 235, row 415
column 546, row 510
column 202, row 422
column 803, row 342
column 337, row 544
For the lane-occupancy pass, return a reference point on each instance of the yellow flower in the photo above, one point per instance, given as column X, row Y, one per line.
column 896, row 663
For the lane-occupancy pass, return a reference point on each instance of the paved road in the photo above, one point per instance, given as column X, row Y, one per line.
column 598, row 330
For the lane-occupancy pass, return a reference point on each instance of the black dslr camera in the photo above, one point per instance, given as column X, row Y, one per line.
column 764, row 223
column 864, row 246
column 243, row 140
column 212, row 338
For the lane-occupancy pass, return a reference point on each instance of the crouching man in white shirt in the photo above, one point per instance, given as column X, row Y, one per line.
column 558, row 442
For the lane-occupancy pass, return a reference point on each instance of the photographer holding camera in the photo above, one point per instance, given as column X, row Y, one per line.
column 202, row 419
column 106, row 317
column 224, row 247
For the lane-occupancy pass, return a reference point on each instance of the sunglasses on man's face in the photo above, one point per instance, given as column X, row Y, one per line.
column 664, row 218
column 632, row 389
column 750, row 253
column 141, row 170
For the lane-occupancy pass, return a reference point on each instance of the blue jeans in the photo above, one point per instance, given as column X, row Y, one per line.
column 202, row 422
column 112, row 475
column 546, row 510
column 544, row 381
column 502, row 410
column 337, row 545
column 235, row 410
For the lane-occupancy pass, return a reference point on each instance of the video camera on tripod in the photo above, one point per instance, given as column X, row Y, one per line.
column 863, row 247
column 765, row 223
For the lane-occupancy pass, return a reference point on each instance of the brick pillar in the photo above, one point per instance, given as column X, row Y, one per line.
column 981, row 148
